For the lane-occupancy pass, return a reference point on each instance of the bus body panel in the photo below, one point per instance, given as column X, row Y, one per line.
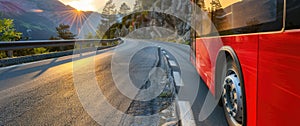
column 205, row 54
column 278, row 85
column 267, row 50
column 246, row 49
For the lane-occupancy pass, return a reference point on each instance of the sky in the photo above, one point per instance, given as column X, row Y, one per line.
column 95, row 5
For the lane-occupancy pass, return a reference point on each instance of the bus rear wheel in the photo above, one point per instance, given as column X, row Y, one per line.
column 233, row 95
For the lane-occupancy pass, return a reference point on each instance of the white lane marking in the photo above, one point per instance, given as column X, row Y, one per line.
column 168, row 56
column 178, row 79
column 186, row 114
column 164, row 51
column 172, row 63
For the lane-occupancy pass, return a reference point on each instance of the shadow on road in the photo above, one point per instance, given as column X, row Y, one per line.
column 216, row 118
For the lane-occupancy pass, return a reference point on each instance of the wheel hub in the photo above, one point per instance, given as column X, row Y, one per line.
column 232, row 97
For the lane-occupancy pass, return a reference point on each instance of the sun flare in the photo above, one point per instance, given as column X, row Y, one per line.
column 82, row 5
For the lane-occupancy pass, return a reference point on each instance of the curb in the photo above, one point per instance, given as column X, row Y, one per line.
column 183, row 108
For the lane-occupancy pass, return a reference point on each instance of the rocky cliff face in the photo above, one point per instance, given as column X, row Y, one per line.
column 173, row 17
column 178, row 17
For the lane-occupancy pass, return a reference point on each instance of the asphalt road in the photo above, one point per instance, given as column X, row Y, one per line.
column 46, row 92
column 43, row 93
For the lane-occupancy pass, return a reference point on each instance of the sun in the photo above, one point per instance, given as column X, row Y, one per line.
column 82, row 6
column 78, row 10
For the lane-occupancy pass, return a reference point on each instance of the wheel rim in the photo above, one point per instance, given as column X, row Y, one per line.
column 233, row 97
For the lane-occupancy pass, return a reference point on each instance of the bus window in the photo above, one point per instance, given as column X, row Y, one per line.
column 292, row 14
column 242, row 16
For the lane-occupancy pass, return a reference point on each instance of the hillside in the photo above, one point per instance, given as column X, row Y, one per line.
column 37, row 19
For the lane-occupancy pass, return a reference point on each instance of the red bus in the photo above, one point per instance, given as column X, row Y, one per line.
column 250, row 56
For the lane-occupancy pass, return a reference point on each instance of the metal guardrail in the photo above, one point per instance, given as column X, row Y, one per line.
column 17, row 45
column 7, row 46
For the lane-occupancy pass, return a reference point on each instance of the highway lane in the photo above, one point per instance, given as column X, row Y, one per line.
column 46, row 92
column 43, row 93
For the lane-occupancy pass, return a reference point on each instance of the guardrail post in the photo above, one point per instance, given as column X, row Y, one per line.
column 159, row 55
column 10, row 53
column 80, row 48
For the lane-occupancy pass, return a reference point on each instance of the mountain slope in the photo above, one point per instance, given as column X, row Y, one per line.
column 37, row 19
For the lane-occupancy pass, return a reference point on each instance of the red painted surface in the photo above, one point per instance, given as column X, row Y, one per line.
column 271, row 67
column 278, row 84
column 246, row 48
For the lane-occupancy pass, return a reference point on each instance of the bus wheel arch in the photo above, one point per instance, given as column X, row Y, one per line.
column 229, row 86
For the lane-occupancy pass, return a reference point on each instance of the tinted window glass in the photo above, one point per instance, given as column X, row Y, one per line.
column 241, row 16
column 292, row 14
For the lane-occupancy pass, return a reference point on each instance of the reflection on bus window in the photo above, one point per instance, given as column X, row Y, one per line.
column 292, row 14
column 228, row 16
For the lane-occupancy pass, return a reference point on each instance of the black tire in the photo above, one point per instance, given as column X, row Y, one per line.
column 233, row 94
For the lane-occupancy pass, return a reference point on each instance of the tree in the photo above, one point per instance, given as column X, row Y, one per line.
column 137, row 6
column 109, row 13
column 64, row 32
column 147, row 4
column 109, row 8
column 124, row 9
column 89, row 36
column 101, row 30
column 53, row 38
column 7, row 31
